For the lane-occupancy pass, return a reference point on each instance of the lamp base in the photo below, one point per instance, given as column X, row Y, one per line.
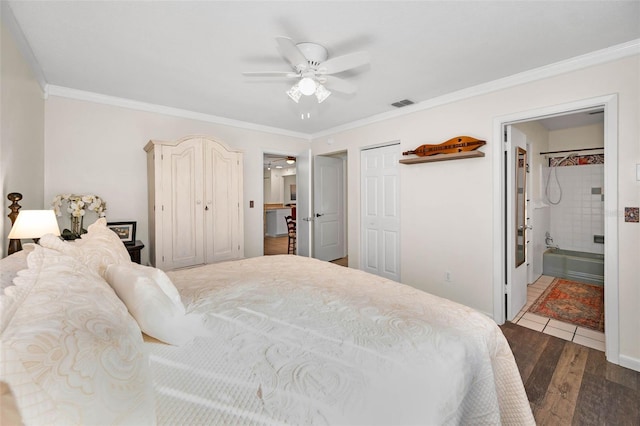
column 14, row 246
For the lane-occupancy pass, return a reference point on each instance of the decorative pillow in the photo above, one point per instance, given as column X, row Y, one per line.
column 98, row 248
column 70, row 351
column 155, row 303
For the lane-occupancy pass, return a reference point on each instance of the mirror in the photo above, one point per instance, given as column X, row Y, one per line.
column 521, row 199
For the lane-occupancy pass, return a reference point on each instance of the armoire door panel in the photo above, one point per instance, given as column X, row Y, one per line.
column 222, row 197
column 183, row 206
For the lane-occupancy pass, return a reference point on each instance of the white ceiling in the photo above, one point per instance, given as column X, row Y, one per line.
column 190, row 55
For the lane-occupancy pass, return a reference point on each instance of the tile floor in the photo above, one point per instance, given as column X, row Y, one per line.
column 579, row 335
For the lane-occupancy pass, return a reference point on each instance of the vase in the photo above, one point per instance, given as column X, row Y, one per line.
column 76, row 225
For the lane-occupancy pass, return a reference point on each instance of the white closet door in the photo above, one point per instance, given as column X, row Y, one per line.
column 182, row 205
column 380, row 221
column 222, row 202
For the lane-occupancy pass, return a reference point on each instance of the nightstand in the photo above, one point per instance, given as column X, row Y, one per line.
column 134, row 250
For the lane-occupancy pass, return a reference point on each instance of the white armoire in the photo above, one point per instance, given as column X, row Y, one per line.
column 195, row 202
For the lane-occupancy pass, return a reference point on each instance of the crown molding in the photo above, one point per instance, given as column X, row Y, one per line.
column 82, row 95
column 573, row 64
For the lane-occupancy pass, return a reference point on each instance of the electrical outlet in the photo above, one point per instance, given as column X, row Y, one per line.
column 447, row 276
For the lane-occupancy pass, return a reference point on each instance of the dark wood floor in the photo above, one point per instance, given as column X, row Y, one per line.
column 570, row 384
column 275, row 245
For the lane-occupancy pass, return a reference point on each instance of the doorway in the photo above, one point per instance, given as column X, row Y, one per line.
column 280, row 197
column 502, row 291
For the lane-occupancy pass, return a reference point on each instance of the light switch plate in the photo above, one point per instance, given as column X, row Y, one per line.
column 638, row 172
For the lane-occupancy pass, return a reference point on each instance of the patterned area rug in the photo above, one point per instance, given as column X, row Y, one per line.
column 573, row 302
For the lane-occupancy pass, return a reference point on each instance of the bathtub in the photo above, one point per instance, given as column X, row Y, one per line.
column 574, row 265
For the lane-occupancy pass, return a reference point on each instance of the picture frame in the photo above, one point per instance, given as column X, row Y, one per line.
column 125, row 230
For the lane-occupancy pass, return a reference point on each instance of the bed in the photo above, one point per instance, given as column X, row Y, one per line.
column 90, row 338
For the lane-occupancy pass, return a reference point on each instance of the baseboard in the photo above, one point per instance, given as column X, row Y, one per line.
column 629, row 362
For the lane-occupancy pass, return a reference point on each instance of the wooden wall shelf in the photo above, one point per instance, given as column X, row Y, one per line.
column 443, row 157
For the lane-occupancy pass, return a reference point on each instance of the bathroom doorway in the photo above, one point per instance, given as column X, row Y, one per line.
column 539, row 207
column 565, row 212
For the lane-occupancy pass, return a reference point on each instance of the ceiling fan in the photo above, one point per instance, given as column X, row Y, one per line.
column 278, row 161
column 313, row 70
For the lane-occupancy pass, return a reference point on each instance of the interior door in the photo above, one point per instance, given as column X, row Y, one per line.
column 517, row 225
column 328, row 208
column 303, row 204
column 380, row 220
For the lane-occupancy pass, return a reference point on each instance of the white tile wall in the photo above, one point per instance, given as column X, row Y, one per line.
column 580, row 214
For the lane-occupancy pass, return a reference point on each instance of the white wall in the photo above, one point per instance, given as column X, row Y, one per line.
column 98, row 149
column 591, row 136
column 276, row 190
column 21, row 133
column 447, row 207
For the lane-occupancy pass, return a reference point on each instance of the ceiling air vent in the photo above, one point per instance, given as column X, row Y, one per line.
column 402, row 103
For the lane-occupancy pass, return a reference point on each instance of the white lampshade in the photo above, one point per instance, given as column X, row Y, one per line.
column 34, row 224
column 307, row 86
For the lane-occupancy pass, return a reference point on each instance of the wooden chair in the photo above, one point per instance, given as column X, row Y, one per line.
column 291, row 230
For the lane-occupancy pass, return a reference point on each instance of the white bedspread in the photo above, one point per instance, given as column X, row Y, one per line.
column 298, row 341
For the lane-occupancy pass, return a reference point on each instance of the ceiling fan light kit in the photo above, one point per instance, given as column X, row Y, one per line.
column 307, row 86
column 313, row 69
column 294, row 93
column 322, row 93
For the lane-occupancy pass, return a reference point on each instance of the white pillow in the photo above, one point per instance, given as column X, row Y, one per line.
column 97, row 249
column 155, row 303
column 70, row 351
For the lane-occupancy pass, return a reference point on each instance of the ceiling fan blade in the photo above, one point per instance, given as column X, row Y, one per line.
column 344, row 62
column 283, row 74
column 340, row 85
column 291, row 52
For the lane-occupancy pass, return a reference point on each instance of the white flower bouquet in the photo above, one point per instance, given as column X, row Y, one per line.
column 76, row 206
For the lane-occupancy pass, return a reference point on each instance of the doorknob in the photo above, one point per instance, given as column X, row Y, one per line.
column 319, row 214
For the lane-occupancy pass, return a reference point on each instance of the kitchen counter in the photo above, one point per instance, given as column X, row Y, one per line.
column 276, row 222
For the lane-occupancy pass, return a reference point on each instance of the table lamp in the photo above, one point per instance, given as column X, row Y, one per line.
column 33, row 224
